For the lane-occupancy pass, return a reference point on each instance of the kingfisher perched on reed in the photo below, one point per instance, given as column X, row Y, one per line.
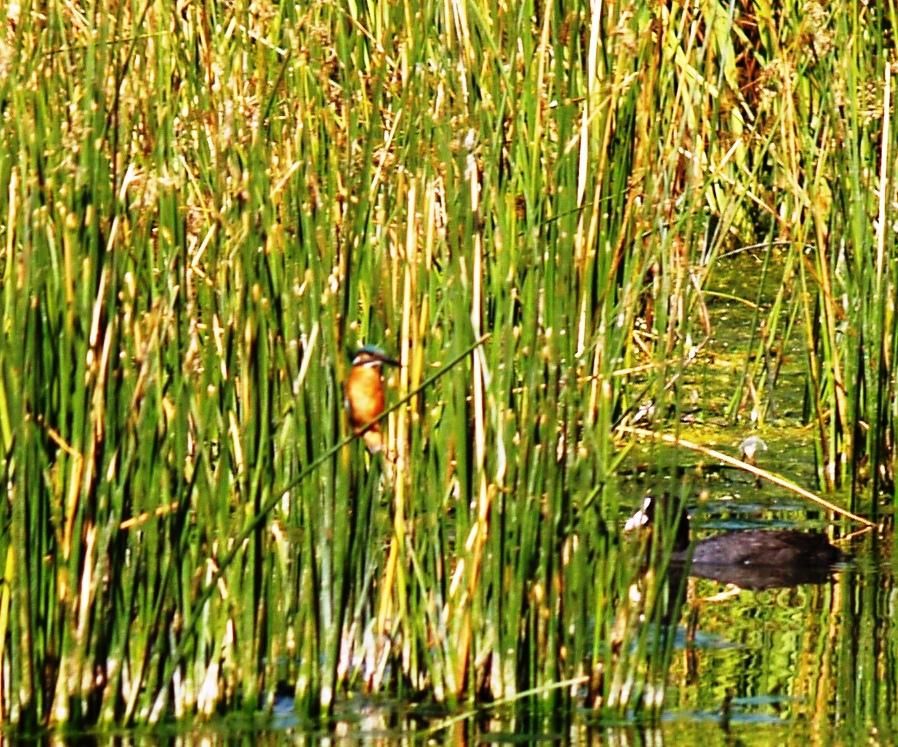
column 364, row 394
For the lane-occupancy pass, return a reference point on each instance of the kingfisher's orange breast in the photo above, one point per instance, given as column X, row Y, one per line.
column 364, row 396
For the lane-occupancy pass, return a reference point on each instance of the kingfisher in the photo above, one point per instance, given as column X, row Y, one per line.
column 363, row 394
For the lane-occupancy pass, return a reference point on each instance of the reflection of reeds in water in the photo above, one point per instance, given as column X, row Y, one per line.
column 202, row 210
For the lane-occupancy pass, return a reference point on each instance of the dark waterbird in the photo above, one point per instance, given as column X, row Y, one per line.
column 752, row 559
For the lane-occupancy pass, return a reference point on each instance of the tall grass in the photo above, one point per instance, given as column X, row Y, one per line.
column 205, row 206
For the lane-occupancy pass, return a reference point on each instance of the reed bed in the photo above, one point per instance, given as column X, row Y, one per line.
column 206, row 204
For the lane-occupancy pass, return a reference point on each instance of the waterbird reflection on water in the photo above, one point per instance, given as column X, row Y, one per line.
column 757, row 578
